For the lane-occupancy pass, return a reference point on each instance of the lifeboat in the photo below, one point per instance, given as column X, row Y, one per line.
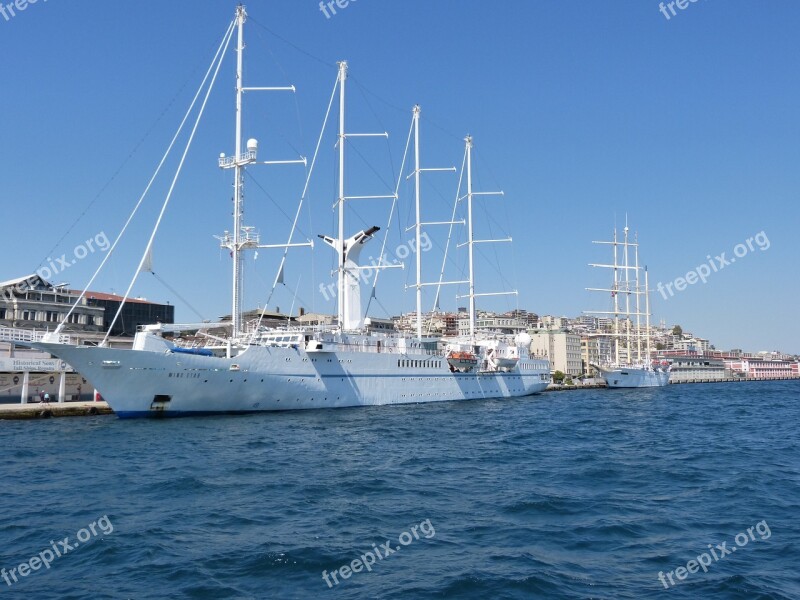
column 462, row 361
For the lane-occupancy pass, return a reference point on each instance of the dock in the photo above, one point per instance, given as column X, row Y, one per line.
column 732, row 380
column 45, row 410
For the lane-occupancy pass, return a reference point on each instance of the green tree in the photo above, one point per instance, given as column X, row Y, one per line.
column 677, row 330
column 558, row 377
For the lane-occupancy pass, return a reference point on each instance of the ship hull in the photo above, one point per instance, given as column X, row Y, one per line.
column 163, row 384
column 634, row 377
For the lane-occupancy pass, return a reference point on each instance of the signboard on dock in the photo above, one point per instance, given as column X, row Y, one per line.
column 34, row 365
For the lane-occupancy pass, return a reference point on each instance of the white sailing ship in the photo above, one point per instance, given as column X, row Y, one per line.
column 256, row 369
column 632, row 365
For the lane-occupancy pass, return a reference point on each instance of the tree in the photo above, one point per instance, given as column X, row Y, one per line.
column 558, row 377
column 677, row 331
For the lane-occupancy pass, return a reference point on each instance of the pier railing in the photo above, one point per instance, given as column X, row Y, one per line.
column 12, row 334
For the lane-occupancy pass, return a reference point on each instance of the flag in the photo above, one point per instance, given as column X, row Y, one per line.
column 147, row 267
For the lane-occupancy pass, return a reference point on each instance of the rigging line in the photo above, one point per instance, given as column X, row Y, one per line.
column 271, row 199
column 149, row 247
column 149, row 183
column 305, row 192
column 369, row 165
column 371, row 93
column 450, row 231
column 489, row 220
column 494, row 245
column 386, row 312
column 402, row 110
column 127, row 159
column 442, row 128
column 378, row 119
column 287, row 78
column 391, row 215
column 295, row 46
column 181, row 298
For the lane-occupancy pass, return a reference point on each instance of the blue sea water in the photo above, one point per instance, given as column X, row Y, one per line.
column 581, row 494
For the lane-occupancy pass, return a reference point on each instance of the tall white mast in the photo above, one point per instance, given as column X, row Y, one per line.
column 627, row 299
column 638, row 293
column 245, row 238
column 470, row 240
column 625, row 286
column 238, row 284
column 616, row 301
column 342, row 257
column 417, row 111
column 647, row 315
column 349, row 249
column 418, row 225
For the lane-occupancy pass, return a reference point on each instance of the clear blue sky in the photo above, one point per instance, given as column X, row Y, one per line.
column 581, row 112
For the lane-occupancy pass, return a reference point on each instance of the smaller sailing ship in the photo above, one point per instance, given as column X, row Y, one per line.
column 632, row 365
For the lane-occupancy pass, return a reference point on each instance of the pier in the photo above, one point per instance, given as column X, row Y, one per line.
column 733, row 380
column 45, row 410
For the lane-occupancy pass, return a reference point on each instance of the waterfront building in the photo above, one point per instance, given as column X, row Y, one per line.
column 33, row 303
column 691, row 368
column 491, row 324
column 756, row 368
column 561, row 347
column 135, row 313
column 595, row 350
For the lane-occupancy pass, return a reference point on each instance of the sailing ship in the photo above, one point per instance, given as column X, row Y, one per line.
column 254, row 369
column 632, row 365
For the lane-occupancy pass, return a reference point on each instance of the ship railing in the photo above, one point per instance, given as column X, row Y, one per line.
column 382, row 349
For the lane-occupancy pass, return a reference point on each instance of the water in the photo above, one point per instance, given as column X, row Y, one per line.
column 584, row 494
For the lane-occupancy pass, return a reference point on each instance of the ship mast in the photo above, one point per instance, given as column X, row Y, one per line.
column 647, row 316
column 616, row 301
column 627, row 298
column 638, row 304
column 244, row 238
column 616, row 286
column 418, row 223
column 471, row 241
column 340, row 197
column 348, row 307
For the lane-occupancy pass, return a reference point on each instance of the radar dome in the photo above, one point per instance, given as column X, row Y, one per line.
column 523, row 339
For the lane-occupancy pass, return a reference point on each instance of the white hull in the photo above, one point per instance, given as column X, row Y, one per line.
column 139, row 383
column 634, row 377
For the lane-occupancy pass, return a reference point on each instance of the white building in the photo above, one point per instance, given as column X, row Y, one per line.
column 595, row 350
column 562, row 348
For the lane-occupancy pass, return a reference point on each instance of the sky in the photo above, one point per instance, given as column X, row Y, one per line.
column 583, row 114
